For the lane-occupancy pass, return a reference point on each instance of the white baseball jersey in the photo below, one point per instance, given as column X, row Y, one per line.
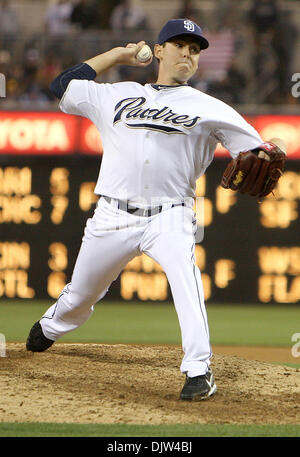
column 157, row 140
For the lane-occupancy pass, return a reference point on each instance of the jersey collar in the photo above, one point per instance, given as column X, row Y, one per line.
column 164, row 86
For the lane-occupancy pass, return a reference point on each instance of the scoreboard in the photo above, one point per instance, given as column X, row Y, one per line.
column 249, row 253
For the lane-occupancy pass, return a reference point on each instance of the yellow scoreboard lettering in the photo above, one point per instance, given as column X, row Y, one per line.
column 134, row 264
column 144, row 277
column 206, row 280
column 59, row 187
column 14, row 255
column 200, row 261
column 224, row 272
column 273, row 259
column 280, row 280
column 294, row 265
column 143, row 263
column 17, row 204
column 14, row 263
column 87, row 198
column 279, row 260
column 294, row 291
column 59, row 257
column 225, row 199
column 149, row 265
column 278, row 213
column 208, row 212
column 14, row 283
column 20, row 209
column 288, row 186
column 128, row 284
column 153, row 286
column 200, row 257
column 59, row 181
column 281, row 209
column 55, row 283
column 23, row 290
column 15, row 181
column 277, row 288
column 60, row 205
column 58, row 262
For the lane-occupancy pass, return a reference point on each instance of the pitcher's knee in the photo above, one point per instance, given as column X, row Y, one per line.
column 76, row 299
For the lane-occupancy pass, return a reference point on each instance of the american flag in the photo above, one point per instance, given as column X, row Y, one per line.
column 215, row 61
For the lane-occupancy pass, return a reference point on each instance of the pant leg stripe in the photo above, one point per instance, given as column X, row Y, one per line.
column 200, row 304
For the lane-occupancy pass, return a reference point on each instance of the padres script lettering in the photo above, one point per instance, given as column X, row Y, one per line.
column 131, row 108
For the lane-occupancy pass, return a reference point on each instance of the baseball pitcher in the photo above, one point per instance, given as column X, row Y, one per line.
column 158, row 139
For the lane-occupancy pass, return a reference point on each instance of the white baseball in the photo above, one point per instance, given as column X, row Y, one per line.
column 144, row 54
column 263, row 155
column 280, row 143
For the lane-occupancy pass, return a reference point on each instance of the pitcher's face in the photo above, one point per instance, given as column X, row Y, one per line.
column 179, row 58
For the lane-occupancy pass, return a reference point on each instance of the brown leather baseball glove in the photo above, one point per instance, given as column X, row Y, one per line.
column 256, row 172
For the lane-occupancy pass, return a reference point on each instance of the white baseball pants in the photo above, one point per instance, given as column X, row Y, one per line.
column 111, row 239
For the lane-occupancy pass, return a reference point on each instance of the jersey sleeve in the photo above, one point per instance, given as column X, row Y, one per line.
column 82, row 98
column 235, row 133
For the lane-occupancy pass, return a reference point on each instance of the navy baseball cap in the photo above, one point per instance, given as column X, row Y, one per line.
column 176, row 27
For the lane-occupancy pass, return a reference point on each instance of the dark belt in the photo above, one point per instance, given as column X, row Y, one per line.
column 124, row 206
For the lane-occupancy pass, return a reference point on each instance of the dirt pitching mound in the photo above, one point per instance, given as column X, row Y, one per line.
column 100, row 383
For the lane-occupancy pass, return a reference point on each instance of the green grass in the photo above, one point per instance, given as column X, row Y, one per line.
column 135, row 430
column 150, row 323
column 293, row 365
column 253, row 325
column 110, row 323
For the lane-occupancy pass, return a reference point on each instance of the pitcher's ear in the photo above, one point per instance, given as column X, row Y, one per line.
column 157, row 51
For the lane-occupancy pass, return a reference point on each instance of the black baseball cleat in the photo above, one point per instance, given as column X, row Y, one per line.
column 199, row 387
column 36, row 341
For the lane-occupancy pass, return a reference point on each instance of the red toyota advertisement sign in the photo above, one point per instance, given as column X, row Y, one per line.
column 53, row 133
column 37, row 133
